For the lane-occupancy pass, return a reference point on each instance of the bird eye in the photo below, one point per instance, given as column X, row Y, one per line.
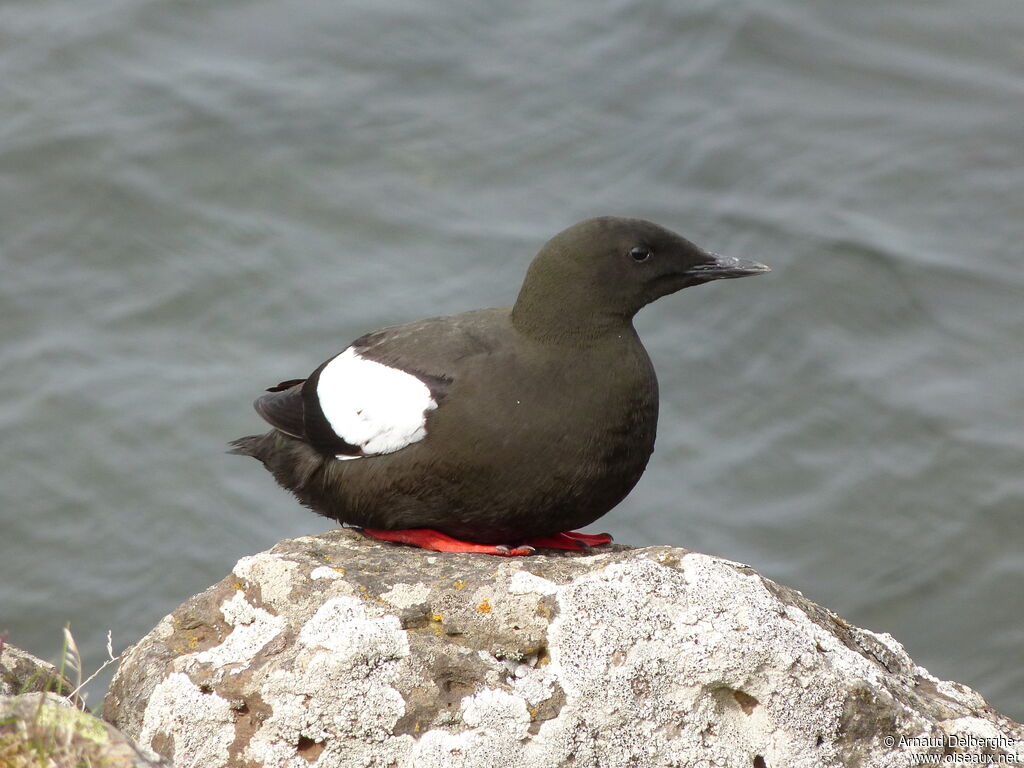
column 640, row 253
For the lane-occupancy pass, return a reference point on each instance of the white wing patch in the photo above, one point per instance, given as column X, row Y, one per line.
column 371, row 405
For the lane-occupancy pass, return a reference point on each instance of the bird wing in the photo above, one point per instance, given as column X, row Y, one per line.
column 374, row 397
column 281, row 407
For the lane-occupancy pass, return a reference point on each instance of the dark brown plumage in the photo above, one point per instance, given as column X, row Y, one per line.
column 535, row 419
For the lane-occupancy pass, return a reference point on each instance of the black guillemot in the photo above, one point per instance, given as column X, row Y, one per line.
column 497, row 430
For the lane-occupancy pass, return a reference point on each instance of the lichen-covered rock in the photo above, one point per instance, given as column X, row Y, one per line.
column 43, row 730
column 21, row 672
column 336, row 650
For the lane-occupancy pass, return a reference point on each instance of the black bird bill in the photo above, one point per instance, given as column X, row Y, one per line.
column 719, row 267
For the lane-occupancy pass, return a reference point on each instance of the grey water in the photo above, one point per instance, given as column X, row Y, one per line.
column 200, row 199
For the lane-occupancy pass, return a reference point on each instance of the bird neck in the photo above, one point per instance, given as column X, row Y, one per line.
column 562, row 311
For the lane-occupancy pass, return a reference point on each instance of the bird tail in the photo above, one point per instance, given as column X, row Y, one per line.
column 291, row 461
column 246, row 446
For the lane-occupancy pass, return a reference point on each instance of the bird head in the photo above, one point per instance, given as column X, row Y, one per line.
column 604, row 270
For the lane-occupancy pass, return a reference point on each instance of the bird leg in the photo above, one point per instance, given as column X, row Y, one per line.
column 428, row 538
column 573, row 540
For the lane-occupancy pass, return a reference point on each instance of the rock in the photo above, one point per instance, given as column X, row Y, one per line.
column 335, row 650
column 21, row 672
column 44, row 730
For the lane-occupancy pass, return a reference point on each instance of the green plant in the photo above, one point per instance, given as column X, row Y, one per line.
column 37, row 730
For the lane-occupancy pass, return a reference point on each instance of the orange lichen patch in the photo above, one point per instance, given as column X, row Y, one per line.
column 238, row 586
column 339, row 570
column 485, row 606
column 432, row 623
column 459, row 584
column 194, row 633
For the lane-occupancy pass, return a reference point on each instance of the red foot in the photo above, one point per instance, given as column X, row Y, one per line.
column 428, row 538
column 571, row 540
